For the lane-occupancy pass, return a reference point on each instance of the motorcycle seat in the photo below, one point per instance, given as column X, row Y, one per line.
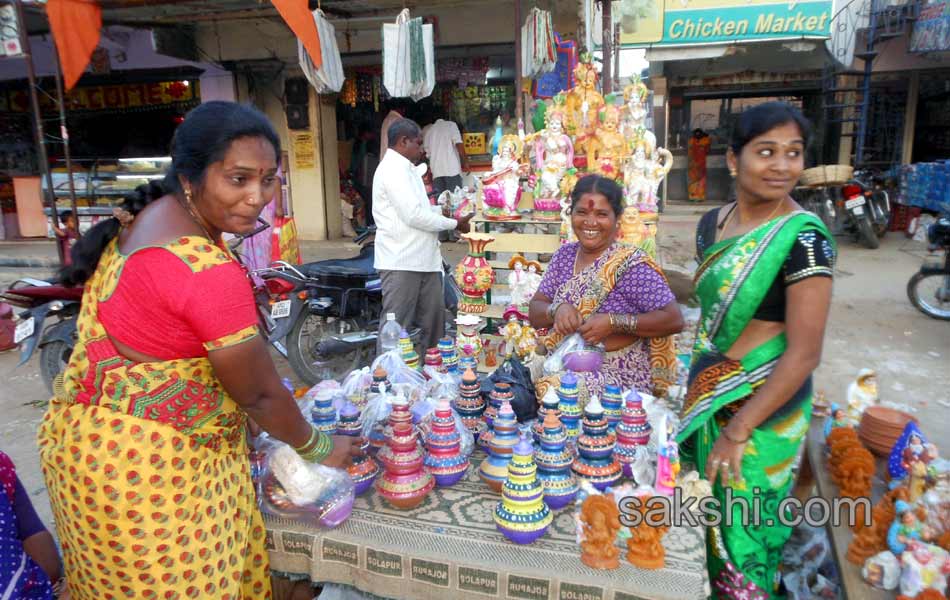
column 360, row 266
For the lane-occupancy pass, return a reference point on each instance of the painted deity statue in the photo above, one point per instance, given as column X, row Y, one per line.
column 567, row 186
column 502, row 187
column 634, row 124
column 643, row 172
column 583, row 103
column 519, row 283
column 607, row 149
column 468, row 341
column 553, row 155
column 668, row 460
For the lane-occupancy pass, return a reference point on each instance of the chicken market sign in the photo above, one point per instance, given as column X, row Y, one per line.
column 688, row 22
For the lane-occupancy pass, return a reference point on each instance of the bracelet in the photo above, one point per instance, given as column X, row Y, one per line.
column 320, row 450
column 552, row 309
column 732, row 439
column 312, row 440
column 623, row 323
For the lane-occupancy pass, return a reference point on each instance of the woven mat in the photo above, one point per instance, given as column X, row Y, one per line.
column 448, row 547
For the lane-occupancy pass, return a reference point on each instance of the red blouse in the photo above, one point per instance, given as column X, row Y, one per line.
column 163, row 309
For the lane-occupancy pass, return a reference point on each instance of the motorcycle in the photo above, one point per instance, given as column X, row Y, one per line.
column 929, row 288
column 324, row 316
column 878, row 199
column 42, row 301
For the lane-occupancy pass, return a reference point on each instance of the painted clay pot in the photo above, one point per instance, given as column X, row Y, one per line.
column 633, row 430
column 521, row 515
column 445, row 460
column 404, row 483
column 595, row 460
column 474, row 275
column 554, row 464
column 494, row 469
column 363, row 471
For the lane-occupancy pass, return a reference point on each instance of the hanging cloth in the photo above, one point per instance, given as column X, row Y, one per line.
column 328, row 78
column 300, row 21
column 538, row 44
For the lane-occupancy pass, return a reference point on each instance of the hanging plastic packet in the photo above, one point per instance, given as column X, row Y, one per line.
column 375, row 417
column 295, row 488
column 356, row 385
column 396, row 369
column 554, row 363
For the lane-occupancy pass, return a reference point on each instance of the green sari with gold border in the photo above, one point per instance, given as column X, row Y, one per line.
column 734, row 277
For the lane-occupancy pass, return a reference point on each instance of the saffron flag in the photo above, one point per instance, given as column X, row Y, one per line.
column 75, row 25
column 300, row 20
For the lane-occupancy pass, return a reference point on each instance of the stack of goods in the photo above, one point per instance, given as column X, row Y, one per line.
column 445, row 460
column 634, row 430
column 521, row 515
column 595, row 460
column 613, row 405
column 554, row 464
column 323, row 415
column 873, row 539
column 549, row 404
column 494, row 469
column 926, row 185
column 450, row 359
column 470, row 405
column 408, row 353
column 404, row 483
column 499, row 395
column 880, row 428
column 851, row 465
column 569, row 405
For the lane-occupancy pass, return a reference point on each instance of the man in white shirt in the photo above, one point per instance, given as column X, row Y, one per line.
column 407, row 244
column 443, row 146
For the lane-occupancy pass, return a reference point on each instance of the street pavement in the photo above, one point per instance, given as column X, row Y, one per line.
column 872, row 324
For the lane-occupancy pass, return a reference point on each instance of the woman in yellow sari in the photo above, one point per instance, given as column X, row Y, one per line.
column 143, row 447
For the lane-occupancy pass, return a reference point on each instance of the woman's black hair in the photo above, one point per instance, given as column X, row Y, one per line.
column 597, row 184
column 761, row 118
column 202, row 139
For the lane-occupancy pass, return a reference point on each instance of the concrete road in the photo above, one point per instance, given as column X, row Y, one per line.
column 872, row 325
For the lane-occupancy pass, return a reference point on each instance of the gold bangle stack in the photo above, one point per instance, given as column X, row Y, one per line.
column 317, row 448
column 552, row 309
column 623, row 323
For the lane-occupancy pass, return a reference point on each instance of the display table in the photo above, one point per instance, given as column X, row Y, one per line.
column 852, row 584
column 449, row 548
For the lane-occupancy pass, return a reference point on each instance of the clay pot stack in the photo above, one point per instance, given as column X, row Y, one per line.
column 880, row 427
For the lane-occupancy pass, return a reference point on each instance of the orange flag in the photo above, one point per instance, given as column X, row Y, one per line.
column 300, row 21
column 75, row 25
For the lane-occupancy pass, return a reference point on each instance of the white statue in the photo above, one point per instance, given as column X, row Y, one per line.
column 862, row 394
column 533, row 279
column 518, row 281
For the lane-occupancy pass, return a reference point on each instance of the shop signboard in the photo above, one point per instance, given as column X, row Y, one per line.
column 126, row 96
column 932, row 29
column 671, row 23
column 474, row 143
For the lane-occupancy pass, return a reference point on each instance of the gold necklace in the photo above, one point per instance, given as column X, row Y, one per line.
column 772, row 214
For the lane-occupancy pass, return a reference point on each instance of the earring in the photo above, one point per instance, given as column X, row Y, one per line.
column 733, row 173
column 188, row 195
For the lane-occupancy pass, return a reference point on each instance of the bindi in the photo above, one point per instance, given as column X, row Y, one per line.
column 590, row 204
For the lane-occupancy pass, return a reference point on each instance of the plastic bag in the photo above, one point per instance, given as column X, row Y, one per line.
column 524, row 399
column 554, row 363
column 396, row 370
column 296, row 488
column 355, row 386
column 376, row 414
column 426, row 411
column 328, row 77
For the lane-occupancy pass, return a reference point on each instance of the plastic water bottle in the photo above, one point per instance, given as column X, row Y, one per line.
column 389, row 333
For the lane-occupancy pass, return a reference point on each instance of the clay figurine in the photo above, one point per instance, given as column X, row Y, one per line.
column 467, row 340
column 668, row 459
column 837, row 418
column 882, row 571
column 905, row 528
column 862, row 393
column 910, row 447
column 924, row 567
column 644, row 547
column 600, row 521
column 502, row 188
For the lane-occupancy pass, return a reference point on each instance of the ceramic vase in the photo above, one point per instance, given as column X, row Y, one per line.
column 595, row 460
column 323, row 415
column 470, row 405
column 549, row 404
column 633, row 430
column 404, row 483
column 569, row 405
column 521, row 515
column 349, row 423
column 494, row 469
column 445, row 461
column 474, row 275
column 612, row 401
column 450, row 359
column 554, row 462
column 363, row 470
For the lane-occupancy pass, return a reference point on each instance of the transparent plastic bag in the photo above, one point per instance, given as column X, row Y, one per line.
column 396, row 369
column 376, row 414
column 426, row 411
column 554, row 363
column 295, row 488
column 356, row 385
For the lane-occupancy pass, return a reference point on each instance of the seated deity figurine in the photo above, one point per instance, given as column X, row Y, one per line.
column 607, row 149
column 502, row 187
column 583, row 103
column 553, row 156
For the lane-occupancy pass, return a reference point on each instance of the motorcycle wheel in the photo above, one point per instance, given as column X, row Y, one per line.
column 310, row 367
column 54, row 357
column 924, row 291
column 866, row 233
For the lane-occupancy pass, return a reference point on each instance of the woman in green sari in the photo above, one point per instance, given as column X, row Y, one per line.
column 764, row 286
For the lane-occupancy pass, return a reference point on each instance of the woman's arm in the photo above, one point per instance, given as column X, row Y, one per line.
column 806, row 313
column 615, row 334
column 247, row 373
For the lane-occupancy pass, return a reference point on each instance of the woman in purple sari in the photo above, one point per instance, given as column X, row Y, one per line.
column 609, row 292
